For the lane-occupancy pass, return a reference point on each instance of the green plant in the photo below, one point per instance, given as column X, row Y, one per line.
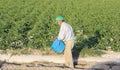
column 31, row 23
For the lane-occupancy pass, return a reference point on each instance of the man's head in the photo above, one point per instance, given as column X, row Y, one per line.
column 59, row 20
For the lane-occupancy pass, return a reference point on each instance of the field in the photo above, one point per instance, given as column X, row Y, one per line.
column 31, row 23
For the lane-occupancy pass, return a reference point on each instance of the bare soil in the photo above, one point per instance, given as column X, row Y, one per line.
column 34, row 66
column 82, row 64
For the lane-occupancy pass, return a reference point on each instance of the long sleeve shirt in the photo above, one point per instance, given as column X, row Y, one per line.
column 66, row 32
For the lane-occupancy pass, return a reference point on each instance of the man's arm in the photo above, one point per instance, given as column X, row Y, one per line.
column 61, row 34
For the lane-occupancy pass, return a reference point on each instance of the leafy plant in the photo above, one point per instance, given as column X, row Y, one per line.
column 31, row 23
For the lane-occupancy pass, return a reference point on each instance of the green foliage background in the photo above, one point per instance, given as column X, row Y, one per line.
column 31, row 23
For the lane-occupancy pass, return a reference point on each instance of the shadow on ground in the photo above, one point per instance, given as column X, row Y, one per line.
column 112, row 65
column 89, row 42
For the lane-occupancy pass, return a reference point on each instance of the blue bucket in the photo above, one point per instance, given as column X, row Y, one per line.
column 58, row 46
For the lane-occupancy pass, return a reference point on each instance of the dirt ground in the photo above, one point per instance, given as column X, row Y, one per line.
column 34, row 66
column 82, row 65
column 57, row 66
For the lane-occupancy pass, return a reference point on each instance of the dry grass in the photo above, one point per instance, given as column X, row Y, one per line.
column 27, row 51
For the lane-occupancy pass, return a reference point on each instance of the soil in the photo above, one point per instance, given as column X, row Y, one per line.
column 35, row 66
column 108, row 61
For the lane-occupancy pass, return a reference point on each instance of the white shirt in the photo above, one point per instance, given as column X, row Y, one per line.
column 66, row 32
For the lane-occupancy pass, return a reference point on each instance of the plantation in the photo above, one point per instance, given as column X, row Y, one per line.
column 31, row 23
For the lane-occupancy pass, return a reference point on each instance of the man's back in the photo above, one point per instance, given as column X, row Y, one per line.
column 66, row 32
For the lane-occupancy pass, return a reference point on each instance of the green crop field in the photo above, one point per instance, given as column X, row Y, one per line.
column 31, row 23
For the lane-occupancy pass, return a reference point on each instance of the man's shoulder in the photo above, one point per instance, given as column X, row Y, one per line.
column 66, row 24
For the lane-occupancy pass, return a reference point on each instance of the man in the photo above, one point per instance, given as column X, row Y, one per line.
column 66, row 34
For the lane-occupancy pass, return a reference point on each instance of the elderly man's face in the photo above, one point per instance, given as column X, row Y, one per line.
column 59, row 23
